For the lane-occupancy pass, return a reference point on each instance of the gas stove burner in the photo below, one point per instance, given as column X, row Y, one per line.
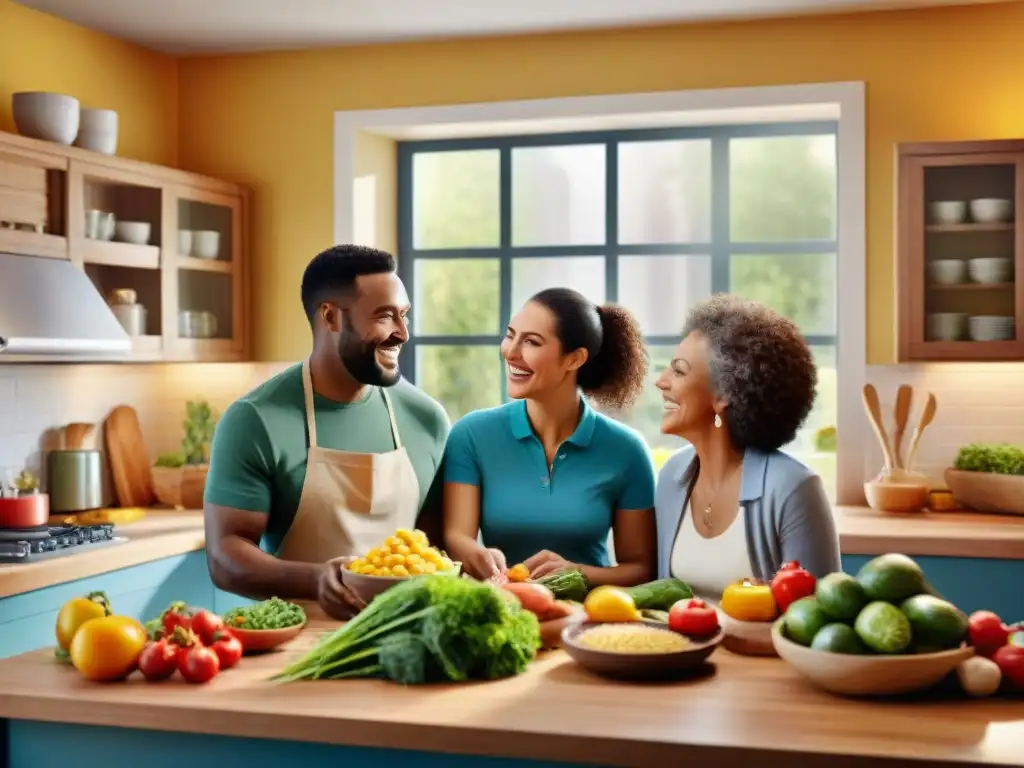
column 28, row 545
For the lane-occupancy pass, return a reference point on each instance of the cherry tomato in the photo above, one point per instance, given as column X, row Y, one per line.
column 206, row 625
column 987, row 632
column 176, row 615
column 158, row 660
column 1010, row 659
column 692, row 616
column 198, row 664
column 790, row 584
column 228, row 649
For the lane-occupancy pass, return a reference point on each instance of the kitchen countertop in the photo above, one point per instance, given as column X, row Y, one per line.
column 862, row 531
column 751, row 709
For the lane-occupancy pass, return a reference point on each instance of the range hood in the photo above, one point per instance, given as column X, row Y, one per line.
column 49, row 307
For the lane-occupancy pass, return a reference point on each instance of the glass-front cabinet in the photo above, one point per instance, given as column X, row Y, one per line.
column 960, row 250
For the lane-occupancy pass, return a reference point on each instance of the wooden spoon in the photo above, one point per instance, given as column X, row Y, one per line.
column 927, row 416
column 874, row 410
column 904, row 397
column 76, row 436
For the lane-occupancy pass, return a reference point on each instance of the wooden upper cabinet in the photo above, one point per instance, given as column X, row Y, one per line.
column 176, row 240
column 960, row 250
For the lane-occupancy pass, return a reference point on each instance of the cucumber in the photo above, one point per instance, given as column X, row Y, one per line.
column 566, row 585
column 659, row 595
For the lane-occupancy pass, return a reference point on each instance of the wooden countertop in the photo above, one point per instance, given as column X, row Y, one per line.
column 862, row 531
column 750, row 709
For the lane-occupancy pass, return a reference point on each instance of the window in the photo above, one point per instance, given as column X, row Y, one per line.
column 655, row 220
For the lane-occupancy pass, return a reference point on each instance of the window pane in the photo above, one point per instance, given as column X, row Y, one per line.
column 581, row 273
column 815, row 442
column 660, row 290
column 782, row 188
column 558, row 195
column 455, row 199
column 462, row 378
column 800, row 286
column 665, row 191
column 456, row 297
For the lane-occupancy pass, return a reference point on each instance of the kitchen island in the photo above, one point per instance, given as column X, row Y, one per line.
column 745, row 711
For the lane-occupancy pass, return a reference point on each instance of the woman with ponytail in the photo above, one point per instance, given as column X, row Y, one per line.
column 544, row 479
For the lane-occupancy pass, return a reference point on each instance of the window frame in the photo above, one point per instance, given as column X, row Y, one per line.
column 720, row 248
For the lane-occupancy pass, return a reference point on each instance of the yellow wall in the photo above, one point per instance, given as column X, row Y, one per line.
column 39, row 52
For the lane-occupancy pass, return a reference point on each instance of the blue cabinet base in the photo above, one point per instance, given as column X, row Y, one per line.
column 32, row 744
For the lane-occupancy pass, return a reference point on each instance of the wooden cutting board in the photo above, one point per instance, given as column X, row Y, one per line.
column 129, row 459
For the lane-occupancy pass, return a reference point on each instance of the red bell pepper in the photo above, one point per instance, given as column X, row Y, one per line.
column 692, row 616
column 792, row 583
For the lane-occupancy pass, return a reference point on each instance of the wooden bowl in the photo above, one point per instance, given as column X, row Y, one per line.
column 263, row 640
column 551, row 630
column 889, row 496
column 867, row 675
column 368, row 587
column 747, row 638
column 638, row 666
column 180, row 487
column 987, row 491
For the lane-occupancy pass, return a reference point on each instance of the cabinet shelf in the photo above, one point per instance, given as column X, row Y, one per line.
column 33, row 244
column 113, row 254
column 970, row 227
column 971, row 287
column 205, row 265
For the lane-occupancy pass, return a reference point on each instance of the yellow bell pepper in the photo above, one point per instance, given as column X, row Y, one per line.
column 747, row 600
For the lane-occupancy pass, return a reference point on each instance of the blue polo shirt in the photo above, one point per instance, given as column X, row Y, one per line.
column 604, row 466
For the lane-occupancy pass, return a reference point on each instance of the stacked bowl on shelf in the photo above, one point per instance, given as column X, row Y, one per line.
column 61, row 119
column 959, row 326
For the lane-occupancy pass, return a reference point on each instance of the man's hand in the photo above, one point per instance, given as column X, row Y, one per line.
column 486, row 564
column 337, row 600
column 545, row 562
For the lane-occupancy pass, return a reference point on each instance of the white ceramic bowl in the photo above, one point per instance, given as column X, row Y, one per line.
column 867, row 675
column 990, row 328
column 97, row 131
column 990, row 270
column 947, row 271
column 48, row 116
column 135, row 232
column 948, row 211
column 206, row 243
column 946, row 326
column 184, row 242
column 988, row 210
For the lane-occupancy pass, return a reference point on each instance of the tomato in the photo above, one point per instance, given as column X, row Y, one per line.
column 108, row 648
column 610, row 604
column 536, row 598
column 158, row 660
column 692, row 616
column 228, row 649
column 206, row 624
column 74, row 613
column 987, row 632
column 790, row 584
column 176, row 615
column 518, row 573
column 1010, row 659
column 198, row 664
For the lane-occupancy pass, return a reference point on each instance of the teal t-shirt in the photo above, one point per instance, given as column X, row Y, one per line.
column 258, row 457
column 603, row 467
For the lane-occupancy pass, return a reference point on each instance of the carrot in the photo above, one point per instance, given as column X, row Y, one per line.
column 535, row 598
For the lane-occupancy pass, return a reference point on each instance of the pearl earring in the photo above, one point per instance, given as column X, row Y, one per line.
column 718, row 421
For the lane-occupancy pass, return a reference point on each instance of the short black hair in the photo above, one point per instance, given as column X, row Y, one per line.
column 760, row 364
column 334, row 271
column 613, row 375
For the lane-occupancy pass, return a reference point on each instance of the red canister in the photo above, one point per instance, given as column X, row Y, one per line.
column 22, row 512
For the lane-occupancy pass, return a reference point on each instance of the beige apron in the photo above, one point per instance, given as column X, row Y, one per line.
column 350, row 502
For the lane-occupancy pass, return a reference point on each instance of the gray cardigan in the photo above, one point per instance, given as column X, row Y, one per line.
column 785, row 511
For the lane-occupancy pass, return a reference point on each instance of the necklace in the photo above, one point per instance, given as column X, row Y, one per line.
column 714, row 497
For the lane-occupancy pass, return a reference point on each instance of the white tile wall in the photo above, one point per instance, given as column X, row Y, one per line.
column 977, row 402
column 34, row 399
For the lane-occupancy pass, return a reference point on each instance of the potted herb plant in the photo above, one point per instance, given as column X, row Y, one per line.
column 988, row 477
column 179, row 478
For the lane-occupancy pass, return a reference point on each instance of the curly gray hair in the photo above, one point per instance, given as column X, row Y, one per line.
column 760, row 365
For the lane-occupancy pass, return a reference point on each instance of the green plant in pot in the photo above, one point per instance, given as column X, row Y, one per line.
column 988, row 477
column 179, row 478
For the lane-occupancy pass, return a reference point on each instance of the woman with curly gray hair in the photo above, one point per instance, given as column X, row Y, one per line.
column 731, row 505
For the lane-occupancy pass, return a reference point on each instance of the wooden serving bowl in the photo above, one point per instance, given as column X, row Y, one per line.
column 263, row 640
column 747, row 638
column 889, row 496
column 868, row 674
column 638, row 666
column 368, row 587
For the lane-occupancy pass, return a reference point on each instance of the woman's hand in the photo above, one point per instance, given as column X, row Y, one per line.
column 485, row 564
column 545, row 562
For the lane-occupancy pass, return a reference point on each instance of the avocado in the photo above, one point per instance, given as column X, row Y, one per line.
column 937, row 625
column 840, row 596
column 892, row 578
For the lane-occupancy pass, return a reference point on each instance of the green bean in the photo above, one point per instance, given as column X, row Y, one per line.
column 274, row 613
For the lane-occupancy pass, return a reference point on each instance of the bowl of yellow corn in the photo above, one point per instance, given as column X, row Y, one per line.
column 403, row 555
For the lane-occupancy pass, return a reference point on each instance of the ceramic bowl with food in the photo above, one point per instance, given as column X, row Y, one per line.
column 263, row 640
column 366, row 586
column 948, row 211
column 867, row 675
column 265, row 625
column 990, row 210
column 947, row 271
column 636, row 650
column 889, row 496
column 989, row 271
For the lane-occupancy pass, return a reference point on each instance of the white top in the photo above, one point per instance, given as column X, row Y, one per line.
column 708, row 566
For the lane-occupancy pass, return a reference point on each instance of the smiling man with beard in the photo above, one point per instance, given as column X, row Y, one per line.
column 325, row 460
